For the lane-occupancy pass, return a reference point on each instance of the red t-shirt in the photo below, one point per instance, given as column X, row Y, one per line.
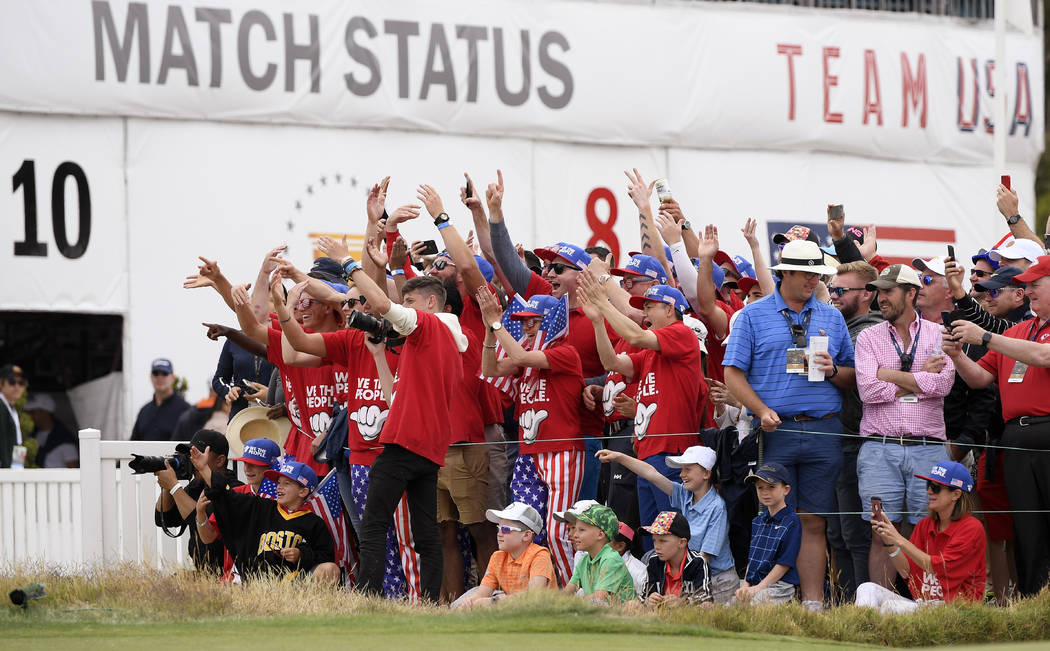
column 581, row 337
column 716, row 352
column 668, row 392
column 309, row 395
column 361, row 392
column 468, row 399
column 1028, row 397
column 957, row 555
column 427, row 379
column 549, row 403
column 616, row 384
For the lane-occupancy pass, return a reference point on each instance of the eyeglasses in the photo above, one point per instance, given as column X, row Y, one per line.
column 934, row 487
column 629, row 282
column 558, row 268
column 981, row 273
column 505, row 530
column 305, row 303
column 927, row 280
column 354, row 301
column 839, row 291
column 22, row 382
column 441, row 264
column 155, row 374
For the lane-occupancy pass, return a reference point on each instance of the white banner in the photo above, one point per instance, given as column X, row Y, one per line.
column 697, row 75
column 64, row 240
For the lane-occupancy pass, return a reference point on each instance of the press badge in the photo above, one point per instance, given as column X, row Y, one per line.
column 1017, row 374
column 909, row 397
column 796, row 361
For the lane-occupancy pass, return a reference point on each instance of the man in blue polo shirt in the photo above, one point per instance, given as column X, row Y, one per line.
column 766, row 368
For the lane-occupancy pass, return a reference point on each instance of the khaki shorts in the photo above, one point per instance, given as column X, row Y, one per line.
column 462, row 485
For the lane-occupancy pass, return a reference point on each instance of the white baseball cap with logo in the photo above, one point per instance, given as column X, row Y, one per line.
column 933, row 265
column 1015, row 249
column 517, row 512
column 698, row 454
column 569, row 514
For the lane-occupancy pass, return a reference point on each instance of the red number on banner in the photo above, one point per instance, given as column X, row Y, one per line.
column 602, row 232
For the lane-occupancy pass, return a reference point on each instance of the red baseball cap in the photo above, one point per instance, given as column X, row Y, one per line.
column 1036, row 271
column 746, row 284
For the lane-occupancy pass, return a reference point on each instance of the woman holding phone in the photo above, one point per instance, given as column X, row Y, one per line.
column 944, row 559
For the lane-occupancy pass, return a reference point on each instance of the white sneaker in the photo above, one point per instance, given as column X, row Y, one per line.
column 813, row 606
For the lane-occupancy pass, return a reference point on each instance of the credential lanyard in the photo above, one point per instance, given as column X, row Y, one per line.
column 914, row 345
column 1034, row 332
column 798, row 330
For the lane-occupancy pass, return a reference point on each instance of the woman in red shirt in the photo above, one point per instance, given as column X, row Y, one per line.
column 548, row 473
column 944, row 559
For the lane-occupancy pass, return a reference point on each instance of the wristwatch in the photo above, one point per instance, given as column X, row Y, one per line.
column 986, row 339
column 496, row 326
column 442, row 218
column 602, row 278
column 686, row 226
column 1013, row 220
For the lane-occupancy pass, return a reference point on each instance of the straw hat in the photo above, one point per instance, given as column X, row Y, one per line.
column 252, row 423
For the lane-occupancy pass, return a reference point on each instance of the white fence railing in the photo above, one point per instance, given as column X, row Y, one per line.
column 98, row 514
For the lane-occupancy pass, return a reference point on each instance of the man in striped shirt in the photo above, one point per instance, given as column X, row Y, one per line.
column 765, row 369
column 902, row 377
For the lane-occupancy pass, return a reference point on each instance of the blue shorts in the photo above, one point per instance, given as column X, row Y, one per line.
column 886, row 470
column 812, row 458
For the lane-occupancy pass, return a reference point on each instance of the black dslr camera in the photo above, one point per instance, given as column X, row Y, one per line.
column 179, row 462
column 379, row 330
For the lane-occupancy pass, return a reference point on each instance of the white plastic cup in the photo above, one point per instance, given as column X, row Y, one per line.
column 816, row 345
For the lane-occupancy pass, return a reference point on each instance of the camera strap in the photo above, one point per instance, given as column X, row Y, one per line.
column 909, row 359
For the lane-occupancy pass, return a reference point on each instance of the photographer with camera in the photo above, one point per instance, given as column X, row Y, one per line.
column 177, row 505
column 418, row 430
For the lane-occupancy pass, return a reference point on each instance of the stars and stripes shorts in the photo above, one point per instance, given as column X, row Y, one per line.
column 549, row 482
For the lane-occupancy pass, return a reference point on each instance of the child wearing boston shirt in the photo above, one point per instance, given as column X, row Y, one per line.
column 272, row 536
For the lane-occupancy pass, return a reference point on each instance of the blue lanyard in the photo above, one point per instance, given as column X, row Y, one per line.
column 907, row 360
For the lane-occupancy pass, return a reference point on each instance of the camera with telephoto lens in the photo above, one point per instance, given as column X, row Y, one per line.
column 380, row 330
column 179, row 462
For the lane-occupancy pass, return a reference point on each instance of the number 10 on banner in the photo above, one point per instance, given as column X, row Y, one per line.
column 25, row 180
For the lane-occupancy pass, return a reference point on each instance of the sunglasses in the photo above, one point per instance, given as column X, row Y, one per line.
column 505, row 530
column 22, row 382
column 160, row 373
column 354, row 301
column 629, row 282
column 558, row 268
column 934, row 487
column 839, row 291
column 305, row 303
column 981, row 274
column 927, row 280
column 441, row 264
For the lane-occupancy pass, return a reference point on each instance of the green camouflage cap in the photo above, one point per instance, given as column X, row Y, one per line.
column 602, row 517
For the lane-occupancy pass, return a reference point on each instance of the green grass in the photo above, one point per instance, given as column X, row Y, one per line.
column 127, row 605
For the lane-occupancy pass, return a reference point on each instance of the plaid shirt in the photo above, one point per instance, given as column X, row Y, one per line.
column 884, row 413
column 775, row 540
column 512, row 575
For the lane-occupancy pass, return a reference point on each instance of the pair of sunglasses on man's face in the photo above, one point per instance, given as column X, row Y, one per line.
column 558, row 268
column 355, row 301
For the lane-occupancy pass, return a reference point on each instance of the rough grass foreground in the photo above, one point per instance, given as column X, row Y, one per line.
column 128, row 594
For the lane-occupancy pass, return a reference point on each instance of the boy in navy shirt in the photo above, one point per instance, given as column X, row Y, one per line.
column 776, row 536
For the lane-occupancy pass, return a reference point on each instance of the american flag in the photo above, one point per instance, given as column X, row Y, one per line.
column 328, row 505
column 555, row 325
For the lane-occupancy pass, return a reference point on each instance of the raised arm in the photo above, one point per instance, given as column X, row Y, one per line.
column 1022, row 350
column 507, row 260
column 630, row 331
column 312, row 343
column 764, row 275
column 713, row 316
column 1006, row 200
column 261, row 289
column 638, row 467
column 683, row 266
column 641, row 194
column 619, row 363
column 517, row 356
column 972, row 373
column 456, row 246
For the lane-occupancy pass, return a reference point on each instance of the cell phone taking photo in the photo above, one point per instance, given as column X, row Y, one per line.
column 430, row 247
column 836, row 211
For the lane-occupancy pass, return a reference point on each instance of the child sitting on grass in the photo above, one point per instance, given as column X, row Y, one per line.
column 266, row 537
column 601, row 574
column 776, row 537
column 702, row 506
column 675, row 571
column 520, row 565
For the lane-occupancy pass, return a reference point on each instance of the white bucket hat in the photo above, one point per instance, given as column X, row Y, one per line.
column 803, row 255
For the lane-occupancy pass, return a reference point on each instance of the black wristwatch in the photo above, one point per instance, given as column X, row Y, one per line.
column 986, row 339
column 686, row 226
column 442, row 218
column 1013, row 220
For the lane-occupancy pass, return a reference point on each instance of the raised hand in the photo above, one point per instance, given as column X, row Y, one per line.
column 637, row 189
column 494, row 193
column 598, row 266
column 209, row 270
column 871, row 243
column 668, row 227
column 590, row 310
column 239, row 294
column 431, row 199
column 953, row 273
column 673, row 209
column 592, row 288
column 398, row 253
column 490, row 308
column 333, row 249
column 376, row 202
column 709, row 242
column 196, row 281
column 471, row 243
column 750, row 226
column 376, row 252
column 1006, row 200
column 272, row 259
column 836, row 227
column 473, row 202
column 403, row 214
column 276, row 289
column 215, row 330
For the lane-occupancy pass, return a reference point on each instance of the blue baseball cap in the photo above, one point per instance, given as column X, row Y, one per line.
column 950, row 474
column 575, row 255
column 667, row 252
column 260, row 452
column 643, row 265
column 300, row 473
column 663, row 294
column 163, row 365
column 986, row 255
column 744, row 267
column 538, row 306
column 485, row 267
column 771, row 473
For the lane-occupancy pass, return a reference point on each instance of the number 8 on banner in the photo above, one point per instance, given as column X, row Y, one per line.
column 603, row 231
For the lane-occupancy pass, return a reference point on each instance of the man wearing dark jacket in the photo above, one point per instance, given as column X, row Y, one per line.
column 848, row 535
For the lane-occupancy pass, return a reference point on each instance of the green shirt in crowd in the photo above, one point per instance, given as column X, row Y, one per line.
column 607, row 572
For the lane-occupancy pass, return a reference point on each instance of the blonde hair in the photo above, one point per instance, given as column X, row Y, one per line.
column 867, row 273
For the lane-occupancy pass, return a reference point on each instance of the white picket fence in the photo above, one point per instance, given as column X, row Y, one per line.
column 99, row 514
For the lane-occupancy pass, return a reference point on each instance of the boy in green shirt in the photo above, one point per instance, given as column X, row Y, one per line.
column 601, row 574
